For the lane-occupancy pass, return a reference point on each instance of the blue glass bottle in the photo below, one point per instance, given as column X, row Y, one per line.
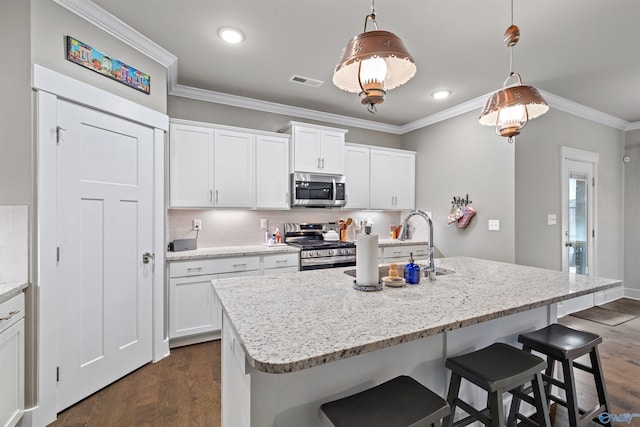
column 412, row 272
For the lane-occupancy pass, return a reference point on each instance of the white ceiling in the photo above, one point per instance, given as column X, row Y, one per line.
column 585, row 51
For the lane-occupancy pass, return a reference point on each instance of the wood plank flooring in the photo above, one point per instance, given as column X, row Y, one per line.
column 184, row 389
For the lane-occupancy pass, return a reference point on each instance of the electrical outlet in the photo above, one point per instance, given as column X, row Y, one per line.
column 264, row 223
column 197, row 224
column 552, row 219
column 494, row 225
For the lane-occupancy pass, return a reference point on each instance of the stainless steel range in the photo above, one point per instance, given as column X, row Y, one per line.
column 316, row 251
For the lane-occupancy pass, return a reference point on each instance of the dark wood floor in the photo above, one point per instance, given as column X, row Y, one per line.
column 184, row 389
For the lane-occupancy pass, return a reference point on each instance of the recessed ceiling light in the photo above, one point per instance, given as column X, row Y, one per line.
column 230, row 35
column 441, row 94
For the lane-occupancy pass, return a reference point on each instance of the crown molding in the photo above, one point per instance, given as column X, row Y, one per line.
column 272, row 107
column 102, row 19
column 583, row 111
column 94, row 14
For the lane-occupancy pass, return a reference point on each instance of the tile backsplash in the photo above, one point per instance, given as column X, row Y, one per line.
column 232, row 227
column 14, row 246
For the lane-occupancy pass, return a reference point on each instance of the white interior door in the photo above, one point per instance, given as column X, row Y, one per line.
column 578, row 217
column 105, row 224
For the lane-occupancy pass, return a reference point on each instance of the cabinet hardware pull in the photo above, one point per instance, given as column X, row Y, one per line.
column 282, row 260
column 193, row 268
column 318, row 162
column 210, row 196
column 239, row 265
column 216, row 196
column 10, row 315
column 323, row 163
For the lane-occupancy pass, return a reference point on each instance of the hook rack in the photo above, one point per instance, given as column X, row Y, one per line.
column 461, row 201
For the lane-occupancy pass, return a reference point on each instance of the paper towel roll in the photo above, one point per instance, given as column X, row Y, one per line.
column 367, row 259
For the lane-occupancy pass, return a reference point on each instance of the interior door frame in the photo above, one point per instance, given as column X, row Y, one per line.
column 49, row 86
column 575, row 154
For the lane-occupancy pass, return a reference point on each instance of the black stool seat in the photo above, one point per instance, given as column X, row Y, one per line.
column 498, row 369
column 560, row 341
column 563, row 344
column 400, row 402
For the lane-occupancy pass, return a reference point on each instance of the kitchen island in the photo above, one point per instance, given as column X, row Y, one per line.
column 294, row 341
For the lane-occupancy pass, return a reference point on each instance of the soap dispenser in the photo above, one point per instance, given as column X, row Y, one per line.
column 412, row 272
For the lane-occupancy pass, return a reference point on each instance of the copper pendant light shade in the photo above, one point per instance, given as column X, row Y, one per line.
column 372, row 63
column 509, row 109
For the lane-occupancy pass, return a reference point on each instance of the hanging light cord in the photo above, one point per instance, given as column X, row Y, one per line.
column 511, row 47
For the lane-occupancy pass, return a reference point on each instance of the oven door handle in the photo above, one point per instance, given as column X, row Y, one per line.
column 328, row 260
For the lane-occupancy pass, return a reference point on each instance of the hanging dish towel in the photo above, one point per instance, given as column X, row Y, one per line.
column 469, row 212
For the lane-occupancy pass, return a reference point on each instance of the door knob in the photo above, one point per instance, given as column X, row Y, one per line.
column 147, row 256
column 568, row 244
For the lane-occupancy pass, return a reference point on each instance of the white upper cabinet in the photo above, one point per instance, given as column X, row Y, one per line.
column 392, row 179
column 356, row 172
column 234, row 169
column 191, row 165
column 223, row 166
column 316, row 149
column 272, row 172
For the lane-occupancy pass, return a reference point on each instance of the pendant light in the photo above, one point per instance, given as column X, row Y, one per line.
column 372, row 63
column 509, row 109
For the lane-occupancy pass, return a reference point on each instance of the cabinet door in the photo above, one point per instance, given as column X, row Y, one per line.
column 12, row 374
column 382, row 194
column 193, row 306
column 190, row 166
column 404, row 181
column 356, row 172
column 234, row 169
column 272, row 172
column 332, row 152
column 306, row 149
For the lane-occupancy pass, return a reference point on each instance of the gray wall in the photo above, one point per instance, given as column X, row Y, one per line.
column 631, row 209
column 208, row 112
column 51, row 23
column 538, row 190
column 458, row 157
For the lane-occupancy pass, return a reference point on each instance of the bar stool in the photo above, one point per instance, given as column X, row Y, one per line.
column 563, row 344
column 498, row 368
column 400, row 402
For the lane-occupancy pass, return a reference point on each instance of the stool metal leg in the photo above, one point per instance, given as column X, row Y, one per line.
column 454, row 389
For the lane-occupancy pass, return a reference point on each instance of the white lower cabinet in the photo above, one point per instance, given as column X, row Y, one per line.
column 195, row 314
column 400, row 254
column 12, row 361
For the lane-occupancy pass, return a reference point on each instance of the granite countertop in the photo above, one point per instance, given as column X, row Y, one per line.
column 225, row 251
column 10, row 290
column 295, row 321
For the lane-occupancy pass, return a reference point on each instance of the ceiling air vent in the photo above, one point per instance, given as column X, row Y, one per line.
column 306, row 81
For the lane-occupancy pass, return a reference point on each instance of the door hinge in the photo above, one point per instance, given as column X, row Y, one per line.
column 58, row 254
column 57, row 373
column 593, row 181
column 58, row 129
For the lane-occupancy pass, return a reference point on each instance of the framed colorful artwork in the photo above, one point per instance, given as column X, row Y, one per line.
column 88, row 57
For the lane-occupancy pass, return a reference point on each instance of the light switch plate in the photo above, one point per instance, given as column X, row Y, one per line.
column 552, row 219
column 264, row 223
column 494, row 225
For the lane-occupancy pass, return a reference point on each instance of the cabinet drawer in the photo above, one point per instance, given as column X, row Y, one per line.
column 280, row 261
column 11, row 311
column 419, row 251
column 213, row 266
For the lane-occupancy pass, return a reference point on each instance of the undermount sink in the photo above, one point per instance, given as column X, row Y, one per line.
column 384, row 271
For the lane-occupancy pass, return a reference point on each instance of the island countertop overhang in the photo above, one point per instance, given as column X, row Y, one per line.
column 295, row 321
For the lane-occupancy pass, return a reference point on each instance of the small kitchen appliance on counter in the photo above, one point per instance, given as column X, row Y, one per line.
column 316, row 250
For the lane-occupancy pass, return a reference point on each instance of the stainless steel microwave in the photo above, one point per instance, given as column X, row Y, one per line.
column 317, row 190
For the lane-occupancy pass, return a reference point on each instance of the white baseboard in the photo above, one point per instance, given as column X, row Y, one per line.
column 608, row 296
column 194, row 339
column 632, row 293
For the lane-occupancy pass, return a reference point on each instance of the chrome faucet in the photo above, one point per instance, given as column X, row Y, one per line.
column 430, row 269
